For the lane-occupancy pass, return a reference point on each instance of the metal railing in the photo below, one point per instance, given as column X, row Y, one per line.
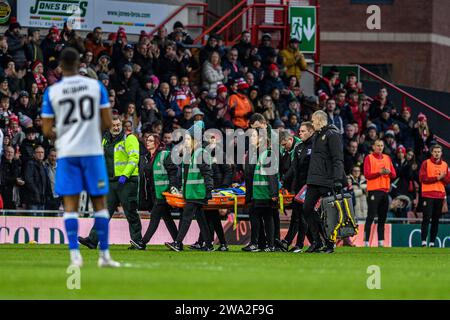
column 204, row 13
column 404, row 96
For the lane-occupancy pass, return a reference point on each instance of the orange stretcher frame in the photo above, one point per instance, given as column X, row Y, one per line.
column 218, row 202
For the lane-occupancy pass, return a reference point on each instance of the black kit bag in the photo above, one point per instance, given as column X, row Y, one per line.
column 338, row 216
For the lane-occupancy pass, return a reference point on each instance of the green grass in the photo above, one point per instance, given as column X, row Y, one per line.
column 39, row 272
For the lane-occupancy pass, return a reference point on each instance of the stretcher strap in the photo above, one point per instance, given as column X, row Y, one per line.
column 334, row 234
column 280, row 195
column 349, row 215
column 229, row 194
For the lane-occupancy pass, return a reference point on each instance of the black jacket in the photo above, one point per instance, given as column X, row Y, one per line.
column 327, row 158
column 37, row 184
column 222, row 175
column 297, row 174
column 9, row 172
column 249, row 171
column 148, row 178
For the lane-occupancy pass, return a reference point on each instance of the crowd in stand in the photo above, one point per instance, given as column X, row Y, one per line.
column 158, row 85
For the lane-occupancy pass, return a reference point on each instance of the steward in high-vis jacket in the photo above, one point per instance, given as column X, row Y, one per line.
column 197, row 185
column 160, row 175
column 122, row 163
column 379, row 171
column 434, row 176
column 261, row 181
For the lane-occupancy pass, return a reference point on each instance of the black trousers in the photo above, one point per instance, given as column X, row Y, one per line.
column 215, row 225
column 297, row 225
column 432, row 210
column 315, row 225
column 190, row 211
column 160, row 210
column 276, row 224
column 262, row 224
column 378, row 205
column 126, row 195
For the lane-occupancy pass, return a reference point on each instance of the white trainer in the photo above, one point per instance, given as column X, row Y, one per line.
column 108, row 263
column 76, row 262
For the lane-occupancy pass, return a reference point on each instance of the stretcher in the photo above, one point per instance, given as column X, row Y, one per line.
column 223, row 199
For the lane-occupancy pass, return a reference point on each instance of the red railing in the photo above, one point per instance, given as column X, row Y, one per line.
column 183, row 7
column 404, row 96
column 200, row 38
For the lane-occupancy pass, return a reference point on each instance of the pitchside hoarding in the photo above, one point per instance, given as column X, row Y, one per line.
column 88, row 14
column 409, row 235
column 45, row 230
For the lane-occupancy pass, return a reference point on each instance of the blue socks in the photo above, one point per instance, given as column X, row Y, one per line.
column 71, row 224
column 101, row 226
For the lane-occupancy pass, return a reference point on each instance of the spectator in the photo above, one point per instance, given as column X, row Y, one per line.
column 352, row 85
column 232, row 67
column 327, row 84
column 94, row 43
column 206, row 51
column 9, row 178
column 244, row 46
column 423, row 138
column 33, row 51
column 169, row 63
column 269, row 111
column 223, row 107
column 293, row 60
column 37, row 182
column 351, row 156
column 241, row 107
column 126, row 87
column 187, row 120
column 54, row 201
column 265, row 50
column 257, row 69
column 132, row 116
column 273, row 80
column 406, row 127
column 24, row 106
column 384, row 122
column 16, row 43
column 149, row 112
column 144, row 59
column 54, row 73
column 70, row 38
column 333, row 118
column 104, row 64
column 349, row 134
column 359, row 185
column 4, row 56
column 28, row 145
column 37, row 76
column 208, row 107
column 379, row 103
column 178, row 28
column 343, row 107
column 166, row 103
column 51, row 46
column 212, row 73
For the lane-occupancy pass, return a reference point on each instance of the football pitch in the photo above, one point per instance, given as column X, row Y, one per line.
column 39, row 272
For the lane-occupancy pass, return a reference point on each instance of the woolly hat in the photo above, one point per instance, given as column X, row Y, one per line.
column 406, row 108
column 221, row 88
column 422, row 117
column 273, row 67
column 401, row 149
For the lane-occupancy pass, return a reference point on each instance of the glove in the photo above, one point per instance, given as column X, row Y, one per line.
column 338, row 186
column 122, row 179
